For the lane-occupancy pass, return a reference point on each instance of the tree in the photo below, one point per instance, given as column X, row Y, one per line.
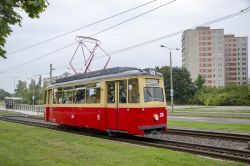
column 199, row 82
column 27, row 92
column 39, row 92
column 4, row 94
column 9, row 15
column 32, row 89
column 39, row 84
column 22, row 91
column 182, row 84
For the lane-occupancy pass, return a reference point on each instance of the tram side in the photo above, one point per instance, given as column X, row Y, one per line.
column 132, row 105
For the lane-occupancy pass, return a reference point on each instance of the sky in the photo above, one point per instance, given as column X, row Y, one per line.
column 63, row 16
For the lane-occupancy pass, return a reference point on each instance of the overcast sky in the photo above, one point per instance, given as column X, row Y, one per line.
column 63, row 15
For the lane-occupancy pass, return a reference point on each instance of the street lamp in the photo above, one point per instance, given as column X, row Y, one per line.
column 171, row 77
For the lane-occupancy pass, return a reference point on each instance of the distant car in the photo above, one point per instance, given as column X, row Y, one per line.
column 119, row 99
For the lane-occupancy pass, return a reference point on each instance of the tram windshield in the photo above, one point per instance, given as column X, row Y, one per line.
column 153, row 94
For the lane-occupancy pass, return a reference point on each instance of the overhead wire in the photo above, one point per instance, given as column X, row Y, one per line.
column 41, row 57
column 104, row 30
column 80, row 28
column 168, row 35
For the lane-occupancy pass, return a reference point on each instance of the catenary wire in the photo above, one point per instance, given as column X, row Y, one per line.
column 109, row 28
column 80, row 28
column 166, row 36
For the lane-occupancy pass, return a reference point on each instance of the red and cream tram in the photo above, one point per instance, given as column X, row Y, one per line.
column 119, row 99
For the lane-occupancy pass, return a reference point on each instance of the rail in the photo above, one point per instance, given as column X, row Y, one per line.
column 210, row 134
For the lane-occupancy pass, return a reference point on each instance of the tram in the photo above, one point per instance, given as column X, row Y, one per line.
column 119, row 99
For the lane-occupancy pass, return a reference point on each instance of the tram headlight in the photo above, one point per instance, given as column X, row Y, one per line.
column 156, row 117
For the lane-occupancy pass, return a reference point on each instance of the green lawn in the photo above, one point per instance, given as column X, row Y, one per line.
column 7, row 113
column 1, row 103
column 244, row 128
column 25, row 145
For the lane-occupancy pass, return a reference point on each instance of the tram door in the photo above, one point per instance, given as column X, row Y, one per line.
column 116, row 103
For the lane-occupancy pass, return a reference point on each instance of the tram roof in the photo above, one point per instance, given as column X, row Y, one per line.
column 114, row 72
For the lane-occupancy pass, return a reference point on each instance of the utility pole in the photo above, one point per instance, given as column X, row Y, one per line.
column 14, row 78
column 171, row 83
column 33, row 94
column 50, row 73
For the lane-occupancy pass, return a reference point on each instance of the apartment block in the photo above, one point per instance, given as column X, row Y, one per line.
column 242, row 60
column 220, row 59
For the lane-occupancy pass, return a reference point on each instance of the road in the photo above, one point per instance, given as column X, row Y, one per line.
column 212, row 107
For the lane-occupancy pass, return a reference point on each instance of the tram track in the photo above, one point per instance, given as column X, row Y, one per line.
column 216, row 152
column 210, row 134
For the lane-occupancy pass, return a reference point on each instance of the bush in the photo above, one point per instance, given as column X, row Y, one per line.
column 228, row 95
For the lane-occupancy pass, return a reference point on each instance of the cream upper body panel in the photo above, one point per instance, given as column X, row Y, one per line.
column 103, row 91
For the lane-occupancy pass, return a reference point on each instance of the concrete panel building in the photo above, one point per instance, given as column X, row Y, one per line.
column 242, row 60
column 220, row 59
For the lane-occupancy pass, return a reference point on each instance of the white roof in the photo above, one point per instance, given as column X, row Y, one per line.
column 14, row 98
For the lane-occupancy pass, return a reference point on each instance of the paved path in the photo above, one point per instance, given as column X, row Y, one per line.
column 212, row 107
column 205, row 112
column 209, row 119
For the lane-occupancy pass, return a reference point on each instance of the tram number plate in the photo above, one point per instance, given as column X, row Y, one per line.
column 161, row 114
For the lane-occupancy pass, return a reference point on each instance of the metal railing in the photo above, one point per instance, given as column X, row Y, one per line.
column 26, row 107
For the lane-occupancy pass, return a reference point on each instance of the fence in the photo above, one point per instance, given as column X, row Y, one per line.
column 26, row 107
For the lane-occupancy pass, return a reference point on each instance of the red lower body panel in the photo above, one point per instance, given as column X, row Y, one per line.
column 131, row 120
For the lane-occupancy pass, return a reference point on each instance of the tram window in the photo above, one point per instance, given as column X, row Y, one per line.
column 58, row 96
column 80, row 96
column 133, row 93
column 111, row 92
column 153, row 94
column 93, row 93
column 67, row 95
column 49, row 96
column 123, row 91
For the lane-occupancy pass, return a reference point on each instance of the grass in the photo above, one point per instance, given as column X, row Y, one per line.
column 243, row 128
column 26, row 145
column 7, row 113
column 1, row 103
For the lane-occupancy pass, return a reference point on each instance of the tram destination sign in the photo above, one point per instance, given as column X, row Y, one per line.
column 152, row 82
